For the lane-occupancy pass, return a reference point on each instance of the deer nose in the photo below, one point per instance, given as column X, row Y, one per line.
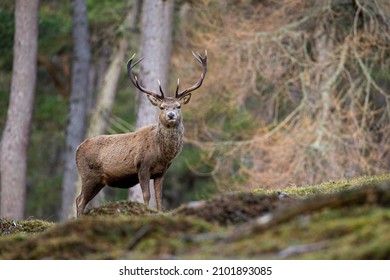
column 171, row 115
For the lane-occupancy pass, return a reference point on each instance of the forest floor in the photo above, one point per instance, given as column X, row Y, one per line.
column 347, row 219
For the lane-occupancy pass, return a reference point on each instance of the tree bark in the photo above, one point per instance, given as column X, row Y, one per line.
column 324, row 47
column 77, row 112
column 156, row 44
column 101, row 114
column 16, row 134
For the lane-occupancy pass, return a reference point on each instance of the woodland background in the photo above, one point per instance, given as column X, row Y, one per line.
column 297, row 93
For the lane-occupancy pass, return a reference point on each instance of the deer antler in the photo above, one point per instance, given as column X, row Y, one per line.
column 201, row 60
column 136, row 83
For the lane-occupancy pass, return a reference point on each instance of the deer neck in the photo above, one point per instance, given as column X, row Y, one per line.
column 170, row 140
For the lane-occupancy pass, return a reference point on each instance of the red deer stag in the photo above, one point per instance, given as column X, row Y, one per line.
column 124, row 160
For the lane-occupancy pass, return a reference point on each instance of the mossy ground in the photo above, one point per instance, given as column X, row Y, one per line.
column 235, row 208
column 336, row 220
column 8, row 226
column 121, row 208
column 329, row 187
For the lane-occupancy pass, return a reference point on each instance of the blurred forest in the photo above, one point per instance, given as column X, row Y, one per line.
column 297, row 92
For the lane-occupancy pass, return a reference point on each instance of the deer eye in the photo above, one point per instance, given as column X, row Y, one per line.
column 178, row 106
column 162, row 108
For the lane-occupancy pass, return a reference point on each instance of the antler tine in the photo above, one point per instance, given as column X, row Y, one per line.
column 134, row 78
column 159, row 86
column 203, row 61
column 177, row 87
column 197, row 56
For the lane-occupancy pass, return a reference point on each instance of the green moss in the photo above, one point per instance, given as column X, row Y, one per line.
column 8, row 226
column 357, row 234
column 329, row 187
column 330, row 234
column 103, row 237
column 123, row 207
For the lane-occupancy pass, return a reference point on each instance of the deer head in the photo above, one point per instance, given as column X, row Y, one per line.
column 170, row 107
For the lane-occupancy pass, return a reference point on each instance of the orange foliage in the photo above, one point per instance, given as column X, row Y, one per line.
column 296, row 91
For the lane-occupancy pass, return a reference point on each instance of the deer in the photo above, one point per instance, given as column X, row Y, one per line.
column 124, row 160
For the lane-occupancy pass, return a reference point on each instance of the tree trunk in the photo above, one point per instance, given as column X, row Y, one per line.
column 324, row 47
column 156, row 47
column 17, row 129
column 77, row 113
column 101, row 114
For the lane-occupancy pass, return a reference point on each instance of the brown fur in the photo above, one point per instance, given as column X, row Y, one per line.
column 124, row 160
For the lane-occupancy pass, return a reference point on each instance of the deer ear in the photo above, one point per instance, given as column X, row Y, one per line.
column 155, row 101
column 185, row 99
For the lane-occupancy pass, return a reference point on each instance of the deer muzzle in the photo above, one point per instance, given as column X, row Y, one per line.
column 171, row 116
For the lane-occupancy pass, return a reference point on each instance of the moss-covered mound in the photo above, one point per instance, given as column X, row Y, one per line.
column 358, row 233
column 123, row 207
column 330, row 187
column 234, row 208
column 352, row 224
column 8, row 226
column 106, row 238
column 337, row 220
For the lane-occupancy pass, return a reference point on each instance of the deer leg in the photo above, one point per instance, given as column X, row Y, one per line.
column 158, row 184
column 144, row 180
column 89, row 190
